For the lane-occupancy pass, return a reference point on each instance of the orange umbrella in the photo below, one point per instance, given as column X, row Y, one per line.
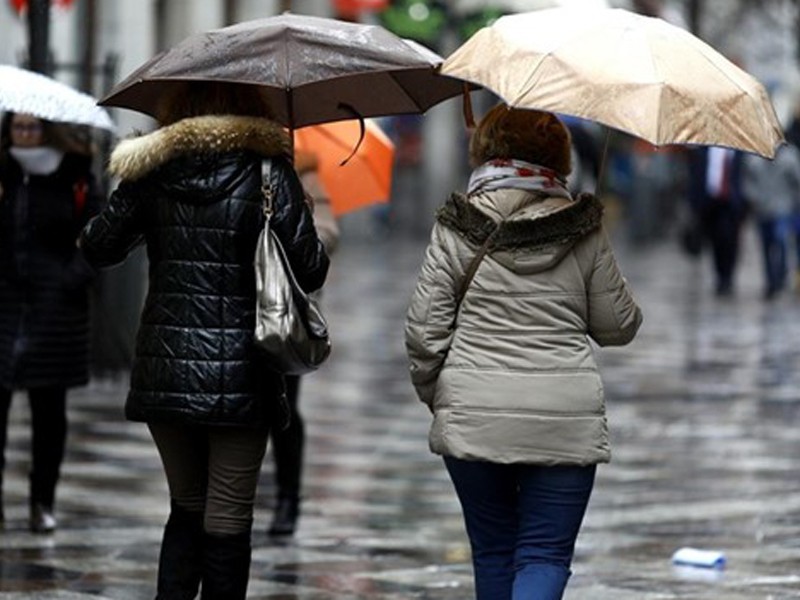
column 364, row 179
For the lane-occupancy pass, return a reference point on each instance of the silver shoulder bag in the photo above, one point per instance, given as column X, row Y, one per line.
column 290, row 329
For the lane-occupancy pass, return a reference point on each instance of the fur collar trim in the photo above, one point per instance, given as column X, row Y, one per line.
column 564, row 226
column 135, row 157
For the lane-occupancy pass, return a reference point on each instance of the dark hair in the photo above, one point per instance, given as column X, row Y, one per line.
column 68, row 138
column 5, row 133
column 197, row 98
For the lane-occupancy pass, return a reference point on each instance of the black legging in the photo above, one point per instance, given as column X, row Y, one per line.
column 287, row 445
column 49, row 435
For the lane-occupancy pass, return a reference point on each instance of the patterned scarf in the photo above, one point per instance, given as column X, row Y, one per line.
column 511, row 173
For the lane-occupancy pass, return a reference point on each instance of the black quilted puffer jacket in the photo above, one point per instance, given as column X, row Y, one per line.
column 192, row 192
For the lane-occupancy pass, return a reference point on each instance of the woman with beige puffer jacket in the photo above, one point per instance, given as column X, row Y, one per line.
column 509, row 374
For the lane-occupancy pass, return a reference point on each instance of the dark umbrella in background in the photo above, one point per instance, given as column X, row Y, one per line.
column 311, row 70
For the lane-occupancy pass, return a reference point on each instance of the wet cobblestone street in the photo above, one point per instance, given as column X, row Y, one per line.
column 704, row 411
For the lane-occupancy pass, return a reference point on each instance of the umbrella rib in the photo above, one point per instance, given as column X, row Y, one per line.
column 413, row 100
column 526, row 85
column 288, row 84
column 531, row 76
column 290, row 107
column 708, row 59
column 661, row 85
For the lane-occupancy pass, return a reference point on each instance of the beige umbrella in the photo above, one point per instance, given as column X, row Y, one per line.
column 637, row 74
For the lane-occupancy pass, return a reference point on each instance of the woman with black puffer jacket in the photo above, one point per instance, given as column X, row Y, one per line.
column 191, row 191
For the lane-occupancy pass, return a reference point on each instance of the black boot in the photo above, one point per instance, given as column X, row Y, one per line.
column 49, row 428
column 180, row 565
column 287, row 511
column 226, row 566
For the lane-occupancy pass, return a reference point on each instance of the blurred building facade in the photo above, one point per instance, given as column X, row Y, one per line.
column 119, row 35
column 762, row 35
column 122, row 34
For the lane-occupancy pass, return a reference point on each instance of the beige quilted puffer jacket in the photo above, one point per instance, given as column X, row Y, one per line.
column 514, row 379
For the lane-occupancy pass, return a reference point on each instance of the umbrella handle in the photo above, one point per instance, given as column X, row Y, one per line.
column 362, row 130
column 469, row 116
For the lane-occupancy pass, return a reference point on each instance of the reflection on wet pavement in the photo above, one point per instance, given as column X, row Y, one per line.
column 705, row 421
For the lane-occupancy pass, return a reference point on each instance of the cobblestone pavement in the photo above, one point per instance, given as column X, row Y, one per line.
column 705, row 420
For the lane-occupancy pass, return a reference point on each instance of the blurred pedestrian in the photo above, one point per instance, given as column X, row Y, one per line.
column 715, row 195
column 288, row 443
column 793, row 139
column 47, row 194
column 191, row 191
column 509, row 374
column 772, row 191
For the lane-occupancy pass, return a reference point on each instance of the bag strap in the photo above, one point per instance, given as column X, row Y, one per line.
column 473, row 266
column 476, row 261
column 266, row 186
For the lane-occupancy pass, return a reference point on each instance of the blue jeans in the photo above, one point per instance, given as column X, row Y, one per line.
column 522, row 522
column 774, row 242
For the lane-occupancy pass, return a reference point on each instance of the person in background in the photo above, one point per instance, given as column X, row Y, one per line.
column 509, row 373
column 47, row 194
column 191, row 192
column 288, row 443
column 772, row 191
column 715, row 195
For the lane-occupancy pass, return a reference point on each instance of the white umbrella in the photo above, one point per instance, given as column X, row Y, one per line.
column 23, row 91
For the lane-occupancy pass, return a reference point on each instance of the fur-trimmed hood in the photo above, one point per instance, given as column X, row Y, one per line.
column 540, row 232
column 133, row 158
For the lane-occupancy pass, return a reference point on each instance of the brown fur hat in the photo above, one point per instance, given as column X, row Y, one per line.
column 534, row 136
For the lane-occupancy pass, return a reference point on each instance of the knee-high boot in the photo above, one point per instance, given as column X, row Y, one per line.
column 226, row 566
column 180, row 565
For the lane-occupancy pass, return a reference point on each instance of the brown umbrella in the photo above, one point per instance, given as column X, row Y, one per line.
column 311, row 69
column 637, row 74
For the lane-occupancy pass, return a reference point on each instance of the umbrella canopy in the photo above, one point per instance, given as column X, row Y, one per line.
column 23, row 91
column 365, row 178
column 637, row 74
column 311, row 70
